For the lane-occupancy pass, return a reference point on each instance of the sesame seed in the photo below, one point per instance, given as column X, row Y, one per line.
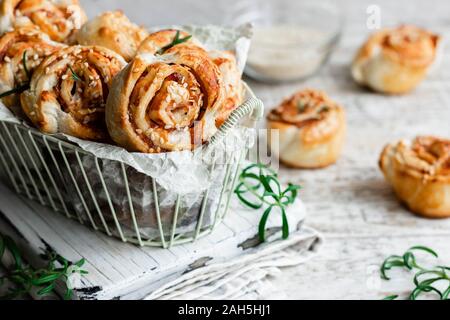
column 138, row 131
column 64, row 77
column 7, row 59
column 86, row 64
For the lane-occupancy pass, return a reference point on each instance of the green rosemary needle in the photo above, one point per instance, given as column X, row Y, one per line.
column 176, row 40
column 424, row 278
column 23, row 87
column 25, row 68
column 74, row 75
column 259, row 187
column 15, row 90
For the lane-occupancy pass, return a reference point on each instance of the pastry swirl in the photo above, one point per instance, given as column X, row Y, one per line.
column 165, row 102
column 311, row 128
column 224, row 60
column 420, row 174
column 69, row 89
column 21, row 52
column 395, row 60
column 57, row 18
column 114, row 31
column 232, row 81
column 156, row 42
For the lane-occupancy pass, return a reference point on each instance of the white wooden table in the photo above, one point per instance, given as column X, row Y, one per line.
column 350, row 203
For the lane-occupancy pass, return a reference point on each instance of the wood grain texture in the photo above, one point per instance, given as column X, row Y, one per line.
column 118, row 270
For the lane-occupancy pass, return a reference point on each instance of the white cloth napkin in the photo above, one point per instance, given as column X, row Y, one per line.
column 246, row 276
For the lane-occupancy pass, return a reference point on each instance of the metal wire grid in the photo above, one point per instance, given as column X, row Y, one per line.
column 35, row 165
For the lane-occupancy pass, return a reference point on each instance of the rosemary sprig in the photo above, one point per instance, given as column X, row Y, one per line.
column 15, row 90
column 74, row 75
column 259, row 187
column 424, row 278
column 23, row 87
column 25, row 68
column 25, row 278
column 176, row 40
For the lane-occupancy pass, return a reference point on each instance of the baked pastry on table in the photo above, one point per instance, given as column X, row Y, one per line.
column 395, row 61
column 22, row 51
column 114, row 31
column 57, row 18
column 68, row 91
column 311, row 130
column 420, row 174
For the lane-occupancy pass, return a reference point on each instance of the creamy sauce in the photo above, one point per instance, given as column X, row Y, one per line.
column 286, row 52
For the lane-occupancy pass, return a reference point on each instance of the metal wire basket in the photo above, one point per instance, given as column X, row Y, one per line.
column 52, row 172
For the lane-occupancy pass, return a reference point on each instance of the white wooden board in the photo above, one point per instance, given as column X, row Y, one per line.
column 119, row 270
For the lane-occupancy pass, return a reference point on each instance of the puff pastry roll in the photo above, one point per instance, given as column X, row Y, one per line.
column 395, row 60
column 114, row 31
column 420, row 174
column 69, row 89
column 21, row 52
column 57, row 18
column 159, row 42
column 234, row 89
column 165, row 103
column 311, row 130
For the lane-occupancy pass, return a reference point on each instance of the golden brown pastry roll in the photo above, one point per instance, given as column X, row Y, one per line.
column 69, row 89
column 57, row 18
column 21, row 52
column 395, row 60
column 311, row 130
column 158, row 42
column 114, row 31
column 165, row 103
column 420, row 174
column 234, row 89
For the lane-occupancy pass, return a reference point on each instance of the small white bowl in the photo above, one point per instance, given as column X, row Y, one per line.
column 292, row 39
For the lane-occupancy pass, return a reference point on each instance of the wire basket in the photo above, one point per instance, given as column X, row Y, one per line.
column 53, row 172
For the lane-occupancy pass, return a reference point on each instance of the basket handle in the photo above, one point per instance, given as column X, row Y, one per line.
column 253, row 107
